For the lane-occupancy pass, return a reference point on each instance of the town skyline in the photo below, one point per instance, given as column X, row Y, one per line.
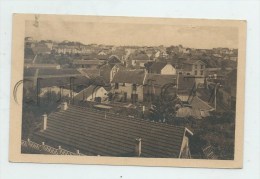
column 132, row 34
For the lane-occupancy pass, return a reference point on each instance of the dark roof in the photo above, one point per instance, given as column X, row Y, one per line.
column 64, row 81
column 53, row 72
column 185, row 82
column 87, row 62
column 191, row 61
column 157, row 67
column 113, row 59
column 131, row 76
column 199, row 108
column 91, row 132
column 160, row 80
column 139, row 56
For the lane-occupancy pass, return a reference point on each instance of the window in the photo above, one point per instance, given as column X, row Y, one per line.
column 180, row 73
column 188, row 73
column 195, row 73
column 116, row 85
column 134, row 87
column 201, row 72
column 196, row 66
column 123, row 84
column 201, row 66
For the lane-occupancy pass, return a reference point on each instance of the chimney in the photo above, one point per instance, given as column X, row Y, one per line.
column 138, row 146
column 45, row 119
column 64, row 106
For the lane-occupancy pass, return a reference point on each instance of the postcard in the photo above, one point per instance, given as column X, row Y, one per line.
column 127, row 91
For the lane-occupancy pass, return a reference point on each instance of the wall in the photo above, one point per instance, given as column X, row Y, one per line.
column 101, row 92
column 168, row 70
column 128, row 88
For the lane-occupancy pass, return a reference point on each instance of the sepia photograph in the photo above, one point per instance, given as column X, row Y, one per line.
column 127, row 91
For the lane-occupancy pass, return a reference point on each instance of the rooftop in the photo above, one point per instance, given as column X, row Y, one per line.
column 107, row 134
column 130, row 76
column 157, row 67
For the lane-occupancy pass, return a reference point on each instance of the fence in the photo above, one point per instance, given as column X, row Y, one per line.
column 42, row 148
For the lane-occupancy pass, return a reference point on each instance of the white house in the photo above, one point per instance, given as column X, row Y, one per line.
column 128, row 85
column 92, row 93
column 162, row 68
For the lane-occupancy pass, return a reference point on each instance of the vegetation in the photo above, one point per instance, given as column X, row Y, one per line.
column 33, row 111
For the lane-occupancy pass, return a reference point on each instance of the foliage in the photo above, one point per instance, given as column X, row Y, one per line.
column 217, row 130
column 32, row 112
column 164, row 109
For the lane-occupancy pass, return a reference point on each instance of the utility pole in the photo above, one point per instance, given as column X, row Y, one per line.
column 217, row 85
column 216, row 96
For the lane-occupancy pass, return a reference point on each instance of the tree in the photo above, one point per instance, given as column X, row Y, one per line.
column 164, row 108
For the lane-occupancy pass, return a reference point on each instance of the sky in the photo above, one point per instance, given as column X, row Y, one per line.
column 201, row 37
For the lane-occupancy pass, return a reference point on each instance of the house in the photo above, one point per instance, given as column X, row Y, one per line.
column 108, row 71
column 41, row 48
column 114, row 59
column 128, row 85
column 196, row 108
column 233, row 58
column 92, row 93
column 102, row 53
column 139, row 59
column 156, row 85
column 139, row 63
column 162, row 68
column 100, row 133
column 195, row 68
column 192, row 104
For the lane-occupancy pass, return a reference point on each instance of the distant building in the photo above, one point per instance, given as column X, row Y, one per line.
column 195, row 68
column 42, row 66
column 192, row 105
column 108, row 71
column 114, row 59
column 87, row 63
column 162, row 68
column 41, row 48
column 156, row 85
column 128, row 85
column 139, row 60
column 233, row 58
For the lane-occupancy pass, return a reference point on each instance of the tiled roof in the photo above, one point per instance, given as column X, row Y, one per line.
column 157, row 67
column 160, row 80
column 97, row 133
column 64, row 81
column 87, row 62
column 192, row 61
column 139, row 56
column 185, row 83
column 131, row 76
column 199, row 108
